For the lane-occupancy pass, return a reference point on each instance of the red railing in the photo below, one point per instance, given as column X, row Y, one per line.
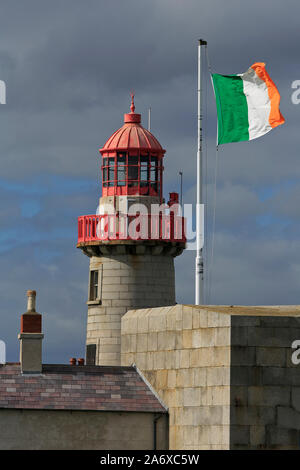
column 131, row 227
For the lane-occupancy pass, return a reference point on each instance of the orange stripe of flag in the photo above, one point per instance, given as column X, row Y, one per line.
column 275, row 117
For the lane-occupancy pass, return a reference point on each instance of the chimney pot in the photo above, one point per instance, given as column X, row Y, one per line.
column 73, row 361
column 81, row 361
column 31, row 294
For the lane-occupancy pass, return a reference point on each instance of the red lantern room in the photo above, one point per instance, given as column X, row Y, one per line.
column 132, row 160
column 132, row 174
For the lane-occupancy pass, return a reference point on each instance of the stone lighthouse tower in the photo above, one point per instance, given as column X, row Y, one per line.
column 131, row 241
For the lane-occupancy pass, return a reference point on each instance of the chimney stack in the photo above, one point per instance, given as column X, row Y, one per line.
column 31, row 338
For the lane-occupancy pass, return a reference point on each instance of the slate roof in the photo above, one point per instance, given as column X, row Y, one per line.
column 66, row 387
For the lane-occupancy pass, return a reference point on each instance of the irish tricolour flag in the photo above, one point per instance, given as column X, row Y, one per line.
column 247, row 104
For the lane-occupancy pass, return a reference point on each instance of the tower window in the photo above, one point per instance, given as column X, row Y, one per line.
column 91, row 354
column 94, row 285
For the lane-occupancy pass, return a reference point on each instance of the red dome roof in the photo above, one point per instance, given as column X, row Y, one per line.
column 133, row 136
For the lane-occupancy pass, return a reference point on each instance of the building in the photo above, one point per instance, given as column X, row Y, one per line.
column 133, row 240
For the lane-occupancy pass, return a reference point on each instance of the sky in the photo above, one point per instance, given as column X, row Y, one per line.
column 69, row 68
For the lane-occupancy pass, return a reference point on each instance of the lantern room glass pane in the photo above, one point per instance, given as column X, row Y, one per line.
column 133, row 173
column 145, row 171
column 111, row 171
column 133, row 170
column 105, row 176
column 121, row 175
column 144, row 174
column 133, row 160
column 144, row 160
column 154, row 170
column 121, row 169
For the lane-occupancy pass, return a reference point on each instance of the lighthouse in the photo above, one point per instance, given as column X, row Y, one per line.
column 131, row 241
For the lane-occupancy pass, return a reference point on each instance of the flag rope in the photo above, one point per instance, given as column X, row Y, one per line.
column 210, row 273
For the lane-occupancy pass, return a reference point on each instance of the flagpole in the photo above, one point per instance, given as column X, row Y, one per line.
column 199, row 219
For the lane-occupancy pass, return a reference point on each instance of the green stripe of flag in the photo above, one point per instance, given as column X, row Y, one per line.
column 232, row 108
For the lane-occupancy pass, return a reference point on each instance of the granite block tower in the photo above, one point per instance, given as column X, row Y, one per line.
column 131, row 241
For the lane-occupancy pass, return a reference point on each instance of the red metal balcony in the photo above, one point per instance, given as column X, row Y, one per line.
column 168, row 228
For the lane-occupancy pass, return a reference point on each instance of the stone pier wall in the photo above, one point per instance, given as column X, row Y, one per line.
column 184, row 353
column 225, row 373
